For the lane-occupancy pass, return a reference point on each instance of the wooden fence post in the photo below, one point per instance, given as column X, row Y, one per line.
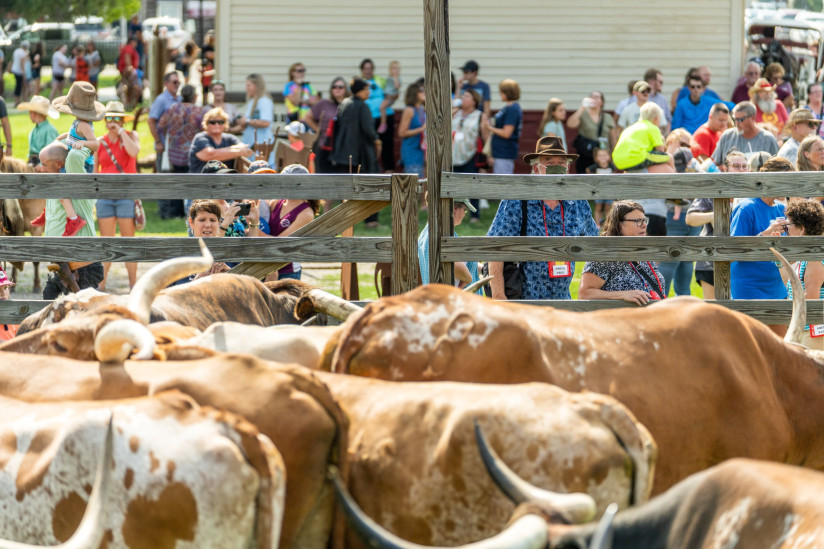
column 404, row 233
column 438, row 131
column 721, row 209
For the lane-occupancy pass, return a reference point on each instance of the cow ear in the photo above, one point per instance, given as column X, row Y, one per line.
column 304, row 309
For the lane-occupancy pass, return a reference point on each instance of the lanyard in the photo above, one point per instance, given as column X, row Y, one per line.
column 557, row 269
column 563, row 223
column 660, row 287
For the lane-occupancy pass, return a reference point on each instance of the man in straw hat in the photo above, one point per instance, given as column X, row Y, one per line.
column 43, row 133
column 541, row 279
column 81, row 143
column 802, row 123
column 768, row 108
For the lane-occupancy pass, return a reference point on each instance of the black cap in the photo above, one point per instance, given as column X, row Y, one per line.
column 470, row 66
column 216, row 166
column 358, row 84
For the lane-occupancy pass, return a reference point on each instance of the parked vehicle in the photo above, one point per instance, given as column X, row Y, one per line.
column 51, row 34
column 797, row 44
column 170, row 27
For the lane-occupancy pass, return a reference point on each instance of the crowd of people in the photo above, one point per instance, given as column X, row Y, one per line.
column 196, row 131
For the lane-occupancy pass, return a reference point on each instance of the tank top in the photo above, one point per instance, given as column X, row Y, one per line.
column 73, row 138
column 278, row 224
column 411, row 151
column 128, row 163
column 802, row 270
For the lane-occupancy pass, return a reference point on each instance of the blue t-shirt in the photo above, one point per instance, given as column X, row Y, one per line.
column 577, row 221
column 376, row 97
column 691, row 116
column 755, row 279
column 507, row 148
column 482, row 88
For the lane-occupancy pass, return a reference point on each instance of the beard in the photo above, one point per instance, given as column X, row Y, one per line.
column 766, row 105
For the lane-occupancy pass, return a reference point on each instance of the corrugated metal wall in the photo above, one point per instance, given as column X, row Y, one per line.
column 552, row 48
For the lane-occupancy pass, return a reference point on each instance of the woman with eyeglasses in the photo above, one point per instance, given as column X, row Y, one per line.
column 806, row 218
column 181, row 122
column 320, row 118
column 117, row 153
column 633, row 281
column 214, row 143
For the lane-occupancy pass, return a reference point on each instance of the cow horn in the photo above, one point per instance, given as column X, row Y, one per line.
column 799, row 317
column 577, row 508
column 602, row 539
column 528, row 532
column 332, row 305
column 475, row 286
column 92, row 527
column 160, row 276
column 116, row 340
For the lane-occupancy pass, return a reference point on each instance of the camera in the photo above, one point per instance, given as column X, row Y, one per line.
column 245, row 208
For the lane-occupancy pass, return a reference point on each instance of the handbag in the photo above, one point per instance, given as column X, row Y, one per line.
column 513, row 271
column 139, row 212
column 139, row 215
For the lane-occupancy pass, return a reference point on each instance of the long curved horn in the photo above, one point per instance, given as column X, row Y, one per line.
column 116, row 340
column 528, row 532
column 799, row 317
column 475, row 286
column 602, row 539
column 160, row 276
column 92, row 527
column 332, row 305
column 577, row 508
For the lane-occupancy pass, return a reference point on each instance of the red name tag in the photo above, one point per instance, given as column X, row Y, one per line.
column 560, row 269
column 816, row 330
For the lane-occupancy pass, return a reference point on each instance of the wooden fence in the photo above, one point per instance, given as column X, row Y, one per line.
column 364, row 195
column 720, row 248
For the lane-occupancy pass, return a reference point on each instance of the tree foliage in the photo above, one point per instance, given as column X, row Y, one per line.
column 61, row 10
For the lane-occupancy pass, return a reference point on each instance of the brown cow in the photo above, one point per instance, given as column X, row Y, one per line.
column 739, row 503
column 29, row 209
column 286, row 403
column 709, row 383
column 415, row 468
column 184, row 473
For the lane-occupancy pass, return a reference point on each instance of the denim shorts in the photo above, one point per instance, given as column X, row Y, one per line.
column 123, row 209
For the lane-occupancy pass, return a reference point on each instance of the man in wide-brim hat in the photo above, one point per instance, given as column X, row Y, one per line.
column 43, row 133
column 549, row 157
column 801, row 124
column 542, row 279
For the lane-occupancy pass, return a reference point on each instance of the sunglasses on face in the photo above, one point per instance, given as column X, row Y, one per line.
column 216, row 121
column 338, row 87
column 300, row 70
column 696, row 87
column 114, row 119
column 737, row 119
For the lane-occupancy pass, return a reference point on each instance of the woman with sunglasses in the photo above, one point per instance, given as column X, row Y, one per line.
column 633, row 281
column 117, row 153
column 320, row 118
column 298, row 93
column 214, row 143
column 218, row 89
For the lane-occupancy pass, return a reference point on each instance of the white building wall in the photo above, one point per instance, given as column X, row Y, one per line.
column 552, row 48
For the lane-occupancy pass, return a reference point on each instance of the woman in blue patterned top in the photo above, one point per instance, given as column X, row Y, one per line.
column 633, row 281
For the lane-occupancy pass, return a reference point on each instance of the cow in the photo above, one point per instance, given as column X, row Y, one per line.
column 288, row 404
column 414, row 466
column 28, row 208
column 413, row 436
column 90, row 532
column 708, row 382
column 68, row 326
column 181, row 473
column 738, row 503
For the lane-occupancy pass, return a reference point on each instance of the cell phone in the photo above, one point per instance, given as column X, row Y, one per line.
column 245, row 208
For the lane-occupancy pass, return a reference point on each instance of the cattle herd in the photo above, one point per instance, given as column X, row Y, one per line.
column 205, row 415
